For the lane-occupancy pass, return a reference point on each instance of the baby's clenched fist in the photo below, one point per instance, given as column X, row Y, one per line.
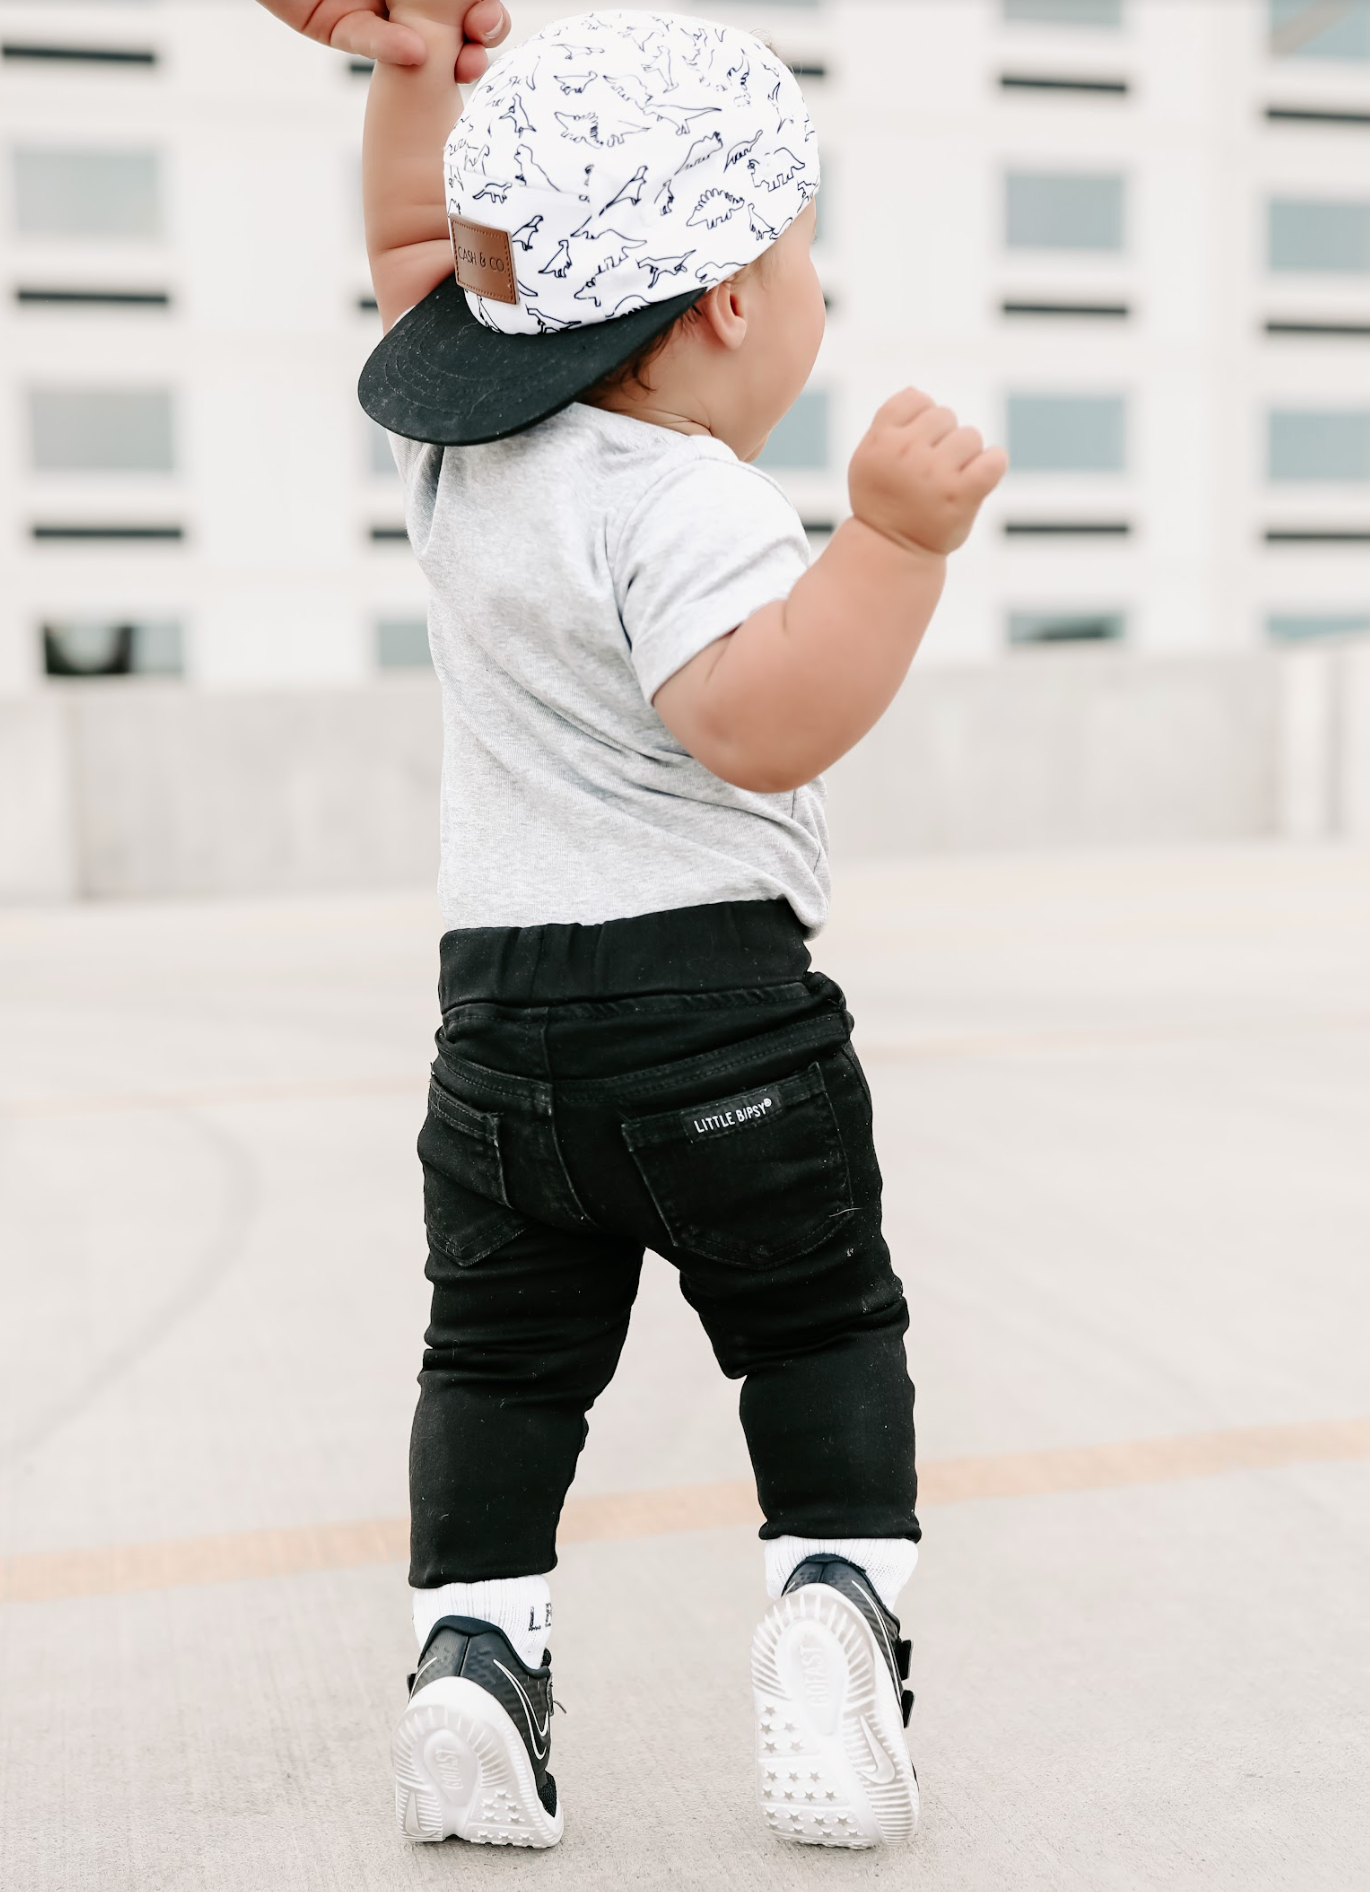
column 919, row 478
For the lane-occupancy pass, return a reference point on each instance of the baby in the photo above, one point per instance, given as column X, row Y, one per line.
column 598, row 304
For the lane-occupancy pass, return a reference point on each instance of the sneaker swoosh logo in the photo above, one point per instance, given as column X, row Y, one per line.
column 423, row 1670
column 537, row 1733
column 884, row 1769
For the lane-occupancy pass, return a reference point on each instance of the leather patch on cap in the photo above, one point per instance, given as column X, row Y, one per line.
column 484, row 259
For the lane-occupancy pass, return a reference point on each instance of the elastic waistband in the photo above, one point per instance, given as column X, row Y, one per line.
column 688, row 949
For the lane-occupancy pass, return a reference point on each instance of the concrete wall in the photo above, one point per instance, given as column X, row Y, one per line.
column 1062, row 748
column 178, row 791
column 37, row 806
column 123, row 787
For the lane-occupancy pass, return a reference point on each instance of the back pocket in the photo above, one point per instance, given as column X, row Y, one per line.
column 754, row 1178
column 465, row 1207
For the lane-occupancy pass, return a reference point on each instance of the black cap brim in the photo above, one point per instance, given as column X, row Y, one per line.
column 442, row 376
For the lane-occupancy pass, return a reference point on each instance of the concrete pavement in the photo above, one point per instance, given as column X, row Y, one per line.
column 1124, row 1108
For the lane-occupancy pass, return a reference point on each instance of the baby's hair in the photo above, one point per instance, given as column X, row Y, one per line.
column 633, row 371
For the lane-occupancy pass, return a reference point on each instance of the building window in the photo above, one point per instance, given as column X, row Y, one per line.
column 99, row 647
column 1324, row 444
column 1047, row 210
column 1065, row 12
column 1299, row 628
column 402, row 644
column 87, row 193
column 800, row 440
column 101, row 430
column 1319, row 234
column 1065, row 627
column 1320, row 29
column 1067, row 433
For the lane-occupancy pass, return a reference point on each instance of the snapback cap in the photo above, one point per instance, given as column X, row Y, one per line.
column 602, row 176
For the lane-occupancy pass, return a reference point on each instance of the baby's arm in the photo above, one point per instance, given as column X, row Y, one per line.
column 409, row 112
column 801, row 681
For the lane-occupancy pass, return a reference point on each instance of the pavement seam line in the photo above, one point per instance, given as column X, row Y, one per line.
column 297, row 1550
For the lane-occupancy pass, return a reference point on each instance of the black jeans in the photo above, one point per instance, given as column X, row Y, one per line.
column 682, row 1082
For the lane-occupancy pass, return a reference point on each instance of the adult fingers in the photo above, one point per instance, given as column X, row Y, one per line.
column 486, row 23
column 472, row 63
column 369, row 36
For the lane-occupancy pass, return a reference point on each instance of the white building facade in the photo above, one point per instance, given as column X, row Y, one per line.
column 1129, row 237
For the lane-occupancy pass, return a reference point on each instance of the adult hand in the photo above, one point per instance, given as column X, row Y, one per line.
column 365, row 29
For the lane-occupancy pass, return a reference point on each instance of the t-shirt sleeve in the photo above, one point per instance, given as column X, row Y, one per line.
column 708, row 543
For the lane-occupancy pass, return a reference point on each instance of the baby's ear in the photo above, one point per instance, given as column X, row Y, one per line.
column 718, row 314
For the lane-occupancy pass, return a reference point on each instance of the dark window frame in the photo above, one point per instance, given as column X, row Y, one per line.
column 19, row 50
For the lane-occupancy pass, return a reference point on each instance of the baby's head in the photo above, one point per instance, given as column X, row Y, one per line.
column 635, row 191
column 735, row 361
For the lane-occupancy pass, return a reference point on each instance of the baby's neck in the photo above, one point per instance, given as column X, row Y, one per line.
column 646, row 405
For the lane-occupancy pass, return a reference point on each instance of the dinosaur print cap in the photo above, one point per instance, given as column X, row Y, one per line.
column 620, row 160
column 602, row 177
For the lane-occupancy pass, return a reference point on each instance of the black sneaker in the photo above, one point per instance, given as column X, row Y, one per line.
column 472, row 1747
column 828, row 1674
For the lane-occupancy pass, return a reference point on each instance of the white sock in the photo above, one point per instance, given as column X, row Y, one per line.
column 520, row 1606
column 887, row 1561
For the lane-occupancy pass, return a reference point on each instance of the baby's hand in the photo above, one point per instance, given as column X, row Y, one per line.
column 920, row 478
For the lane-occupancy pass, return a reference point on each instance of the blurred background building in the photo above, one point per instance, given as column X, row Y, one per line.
column 1131, row 238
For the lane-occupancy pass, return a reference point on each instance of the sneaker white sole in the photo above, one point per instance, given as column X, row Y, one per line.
column 832, row 1765
column 461, row 1770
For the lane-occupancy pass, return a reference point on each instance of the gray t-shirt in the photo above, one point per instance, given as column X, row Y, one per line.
column 572, row 569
